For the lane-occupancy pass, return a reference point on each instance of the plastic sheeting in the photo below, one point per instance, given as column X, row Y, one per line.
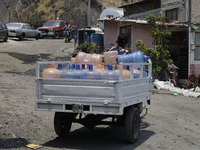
column 166, row 85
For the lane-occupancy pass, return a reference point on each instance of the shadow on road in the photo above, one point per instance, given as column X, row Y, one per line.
column 98, row 138
column 13, row 143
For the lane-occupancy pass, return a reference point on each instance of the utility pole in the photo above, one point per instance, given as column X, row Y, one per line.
column 189, row 41
column 9, row 16
column 88, row 16
column 56, row 11
column 84, row 30
column 161, row 54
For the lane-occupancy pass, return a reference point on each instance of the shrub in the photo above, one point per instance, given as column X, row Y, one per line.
column 51, row 17
column 47, row 3
column 42, row 9
column 60, row 12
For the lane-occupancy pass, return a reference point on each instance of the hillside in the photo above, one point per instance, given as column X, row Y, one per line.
column 38, row 11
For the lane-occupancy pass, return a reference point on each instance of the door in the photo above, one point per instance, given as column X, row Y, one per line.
column 178, row 48
column 127, row 30
column 3, row 30
column 31, row 32
column 62, row 28
column 24, row 30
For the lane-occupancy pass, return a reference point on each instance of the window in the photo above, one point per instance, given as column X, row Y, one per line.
column 197, row 48
column 3, row 26
column 28, row 27
column 172, row 14
column 62, row 24
column 24, row 27
column 127, row 30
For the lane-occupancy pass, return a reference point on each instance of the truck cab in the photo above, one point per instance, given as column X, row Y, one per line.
column 53, row 28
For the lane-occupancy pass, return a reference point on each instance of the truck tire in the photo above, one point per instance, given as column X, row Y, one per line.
column 56, row 35
column 21, row 37
column 62, row 123
column 37, row 36
column 6, row 38
column 132, row 125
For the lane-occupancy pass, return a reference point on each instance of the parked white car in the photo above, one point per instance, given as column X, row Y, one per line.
column 23, row 30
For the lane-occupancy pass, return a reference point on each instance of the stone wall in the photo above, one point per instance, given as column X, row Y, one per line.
column 195, row 11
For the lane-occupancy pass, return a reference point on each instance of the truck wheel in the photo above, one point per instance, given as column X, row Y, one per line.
column 56, row 35
column 5, row 39
column 37, row 37
column 62, row 123
column 132, row 125
column 22, row 36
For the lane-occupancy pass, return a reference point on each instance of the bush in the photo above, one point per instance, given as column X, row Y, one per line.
column 51, row 17
column 47, row 3
column 42, row 9
column 60, row 12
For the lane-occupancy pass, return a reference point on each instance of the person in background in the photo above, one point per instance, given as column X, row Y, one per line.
column 67, row 25
column 68, row 28
column 122, row 41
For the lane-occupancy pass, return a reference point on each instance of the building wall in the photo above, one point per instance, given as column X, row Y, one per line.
column 110, row 33
column 143, row 15
column 194, row 64
column 173, row 4
column 139, row 32
column 195, row 69
column 195, row 11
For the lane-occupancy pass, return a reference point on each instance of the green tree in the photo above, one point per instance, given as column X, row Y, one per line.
column 140, row 46
column 160, row 57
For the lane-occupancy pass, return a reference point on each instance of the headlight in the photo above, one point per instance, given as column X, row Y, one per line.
column 50, row 30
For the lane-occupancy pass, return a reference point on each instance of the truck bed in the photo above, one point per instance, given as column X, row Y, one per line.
column 91, row 96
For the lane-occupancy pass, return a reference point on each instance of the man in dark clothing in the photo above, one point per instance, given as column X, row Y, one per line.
column 122, row 41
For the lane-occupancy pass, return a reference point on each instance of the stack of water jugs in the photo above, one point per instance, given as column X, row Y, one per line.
column 89, row 66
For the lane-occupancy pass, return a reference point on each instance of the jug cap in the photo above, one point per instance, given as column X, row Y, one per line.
column 83, row 66
column 77, row 66
column 73, row 65
column 52, row 65
column 59, row 66
column 90, row 67
column 110, row 67
column 128, row 68
column 146, row 57
column 70, row 66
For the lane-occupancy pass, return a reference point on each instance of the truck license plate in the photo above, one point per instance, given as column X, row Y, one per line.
column 77, row 108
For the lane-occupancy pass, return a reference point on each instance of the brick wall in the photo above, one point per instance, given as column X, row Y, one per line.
column 141, row 32
column 110, row 33
column 196, row 69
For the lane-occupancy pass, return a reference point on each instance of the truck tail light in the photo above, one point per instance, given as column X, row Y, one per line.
column 13, row 31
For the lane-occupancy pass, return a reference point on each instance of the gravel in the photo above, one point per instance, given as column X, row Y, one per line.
column 172, row 121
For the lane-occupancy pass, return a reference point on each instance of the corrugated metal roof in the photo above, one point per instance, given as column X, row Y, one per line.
column 142, row 21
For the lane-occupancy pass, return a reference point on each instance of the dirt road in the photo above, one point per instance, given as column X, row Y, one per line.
column 172, row 121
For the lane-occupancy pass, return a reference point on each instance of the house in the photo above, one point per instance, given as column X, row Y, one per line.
column 184, row 46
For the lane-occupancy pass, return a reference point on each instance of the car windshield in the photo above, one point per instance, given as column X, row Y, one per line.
column 51, row 24
column 13, row 25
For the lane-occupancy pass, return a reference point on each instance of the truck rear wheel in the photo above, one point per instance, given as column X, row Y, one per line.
column 21, row 37
column 132, row 125
column 37, row 36
column 56, row 35
column 62, row 123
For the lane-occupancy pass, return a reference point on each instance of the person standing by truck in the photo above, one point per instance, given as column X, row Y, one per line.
column 122, row 41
